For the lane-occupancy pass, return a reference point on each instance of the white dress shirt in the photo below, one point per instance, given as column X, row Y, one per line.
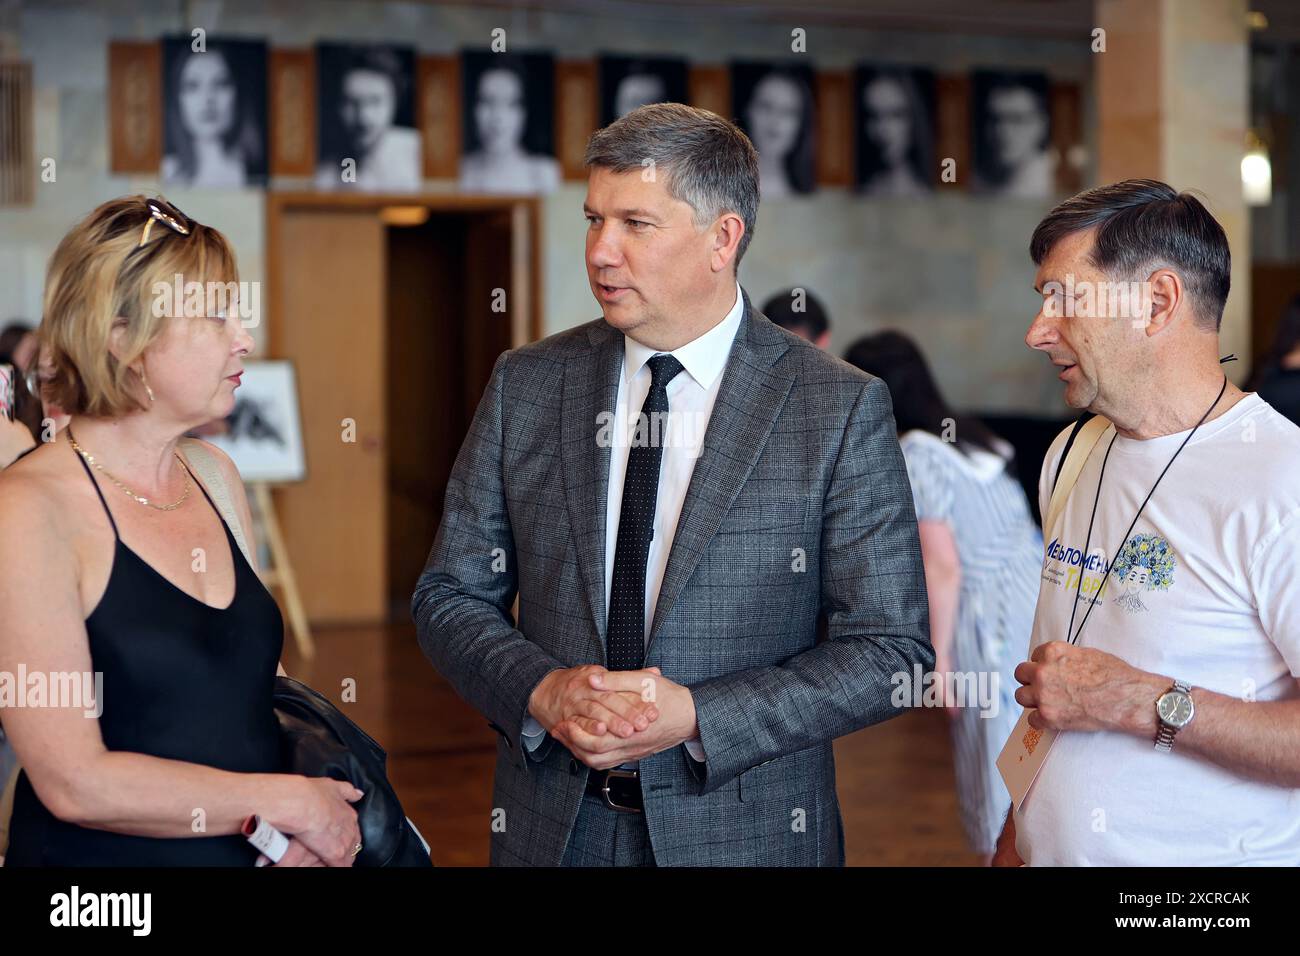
column 691, row 395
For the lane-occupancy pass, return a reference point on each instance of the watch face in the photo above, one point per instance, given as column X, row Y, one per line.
column 1175, row 708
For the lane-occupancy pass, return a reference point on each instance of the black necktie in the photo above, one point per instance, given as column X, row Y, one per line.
column 626, row 637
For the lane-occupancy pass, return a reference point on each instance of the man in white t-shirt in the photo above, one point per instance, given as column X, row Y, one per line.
column 1177, row 702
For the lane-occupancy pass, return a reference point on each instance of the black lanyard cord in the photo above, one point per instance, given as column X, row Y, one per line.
column 1088, row 540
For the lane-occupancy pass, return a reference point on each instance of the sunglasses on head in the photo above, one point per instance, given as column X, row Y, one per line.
column 160, row 210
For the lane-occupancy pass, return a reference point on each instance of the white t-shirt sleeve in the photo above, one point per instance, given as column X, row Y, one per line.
column 1274, row 576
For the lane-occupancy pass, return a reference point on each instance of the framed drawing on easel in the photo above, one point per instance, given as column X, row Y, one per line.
column 263, row 433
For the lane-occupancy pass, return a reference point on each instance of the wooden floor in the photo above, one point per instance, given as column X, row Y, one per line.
column 895, row 780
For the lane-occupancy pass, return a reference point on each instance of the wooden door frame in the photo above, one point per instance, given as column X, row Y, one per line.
column 525, row 328
column 525, row 260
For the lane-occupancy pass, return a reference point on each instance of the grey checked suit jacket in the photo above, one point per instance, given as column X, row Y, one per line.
column 799, row 503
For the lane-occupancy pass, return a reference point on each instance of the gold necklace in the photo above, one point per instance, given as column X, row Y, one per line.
column 90, row 459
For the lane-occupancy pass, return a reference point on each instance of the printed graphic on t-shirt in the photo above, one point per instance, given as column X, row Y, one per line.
column 1145, row 563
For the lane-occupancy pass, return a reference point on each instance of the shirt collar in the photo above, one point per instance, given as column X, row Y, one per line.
column 702, row 357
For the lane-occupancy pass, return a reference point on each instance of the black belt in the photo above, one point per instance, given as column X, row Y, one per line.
column 619, row 788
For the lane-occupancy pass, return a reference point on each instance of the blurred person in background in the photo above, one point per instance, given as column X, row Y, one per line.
column 18, row 345
column 799, row 311
column 19, row 434
column 982, row 552
column 1277, row 377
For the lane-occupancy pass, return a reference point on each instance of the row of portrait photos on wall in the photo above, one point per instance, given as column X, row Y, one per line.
column 215, row 120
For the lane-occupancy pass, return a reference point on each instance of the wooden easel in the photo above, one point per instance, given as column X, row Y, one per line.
column 279, row 570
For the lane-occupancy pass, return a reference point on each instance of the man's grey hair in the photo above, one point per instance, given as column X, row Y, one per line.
column 707, row 162
column 1141, row 224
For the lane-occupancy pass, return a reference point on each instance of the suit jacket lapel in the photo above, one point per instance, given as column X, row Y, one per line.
column 750, row 397
column 590, row 388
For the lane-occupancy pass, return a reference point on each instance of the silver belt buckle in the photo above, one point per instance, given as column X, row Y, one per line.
column 625, row 774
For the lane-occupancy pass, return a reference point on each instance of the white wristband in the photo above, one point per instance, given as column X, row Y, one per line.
column 266, row 838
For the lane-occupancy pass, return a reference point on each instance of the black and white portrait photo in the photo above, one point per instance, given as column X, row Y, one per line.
column 773, row 103
column 1012, row 132
column 214, row 127
column 894, row 130
column 366, row 129
column 508, row 135
column 629, row 82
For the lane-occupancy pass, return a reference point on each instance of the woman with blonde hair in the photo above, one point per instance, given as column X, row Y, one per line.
column 117, row 564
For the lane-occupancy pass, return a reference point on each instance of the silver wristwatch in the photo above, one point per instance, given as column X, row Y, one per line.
column 1174, row 711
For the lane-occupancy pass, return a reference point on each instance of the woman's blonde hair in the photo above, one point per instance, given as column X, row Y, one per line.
column 97, row 276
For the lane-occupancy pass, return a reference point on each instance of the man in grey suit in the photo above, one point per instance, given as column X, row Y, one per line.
column 676, row 492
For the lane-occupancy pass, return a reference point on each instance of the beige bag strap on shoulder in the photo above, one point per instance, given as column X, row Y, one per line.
column 1076, row 456
column 209, row 472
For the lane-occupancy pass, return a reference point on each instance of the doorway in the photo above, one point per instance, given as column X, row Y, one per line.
column 393, row 313
column 447, row 323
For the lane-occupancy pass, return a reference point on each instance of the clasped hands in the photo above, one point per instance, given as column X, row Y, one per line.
column 607, row 718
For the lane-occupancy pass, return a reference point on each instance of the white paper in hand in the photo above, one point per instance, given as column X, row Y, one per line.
column 1022, row 757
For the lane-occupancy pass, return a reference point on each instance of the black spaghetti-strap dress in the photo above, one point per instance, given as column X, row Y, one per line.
column 182, row 680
